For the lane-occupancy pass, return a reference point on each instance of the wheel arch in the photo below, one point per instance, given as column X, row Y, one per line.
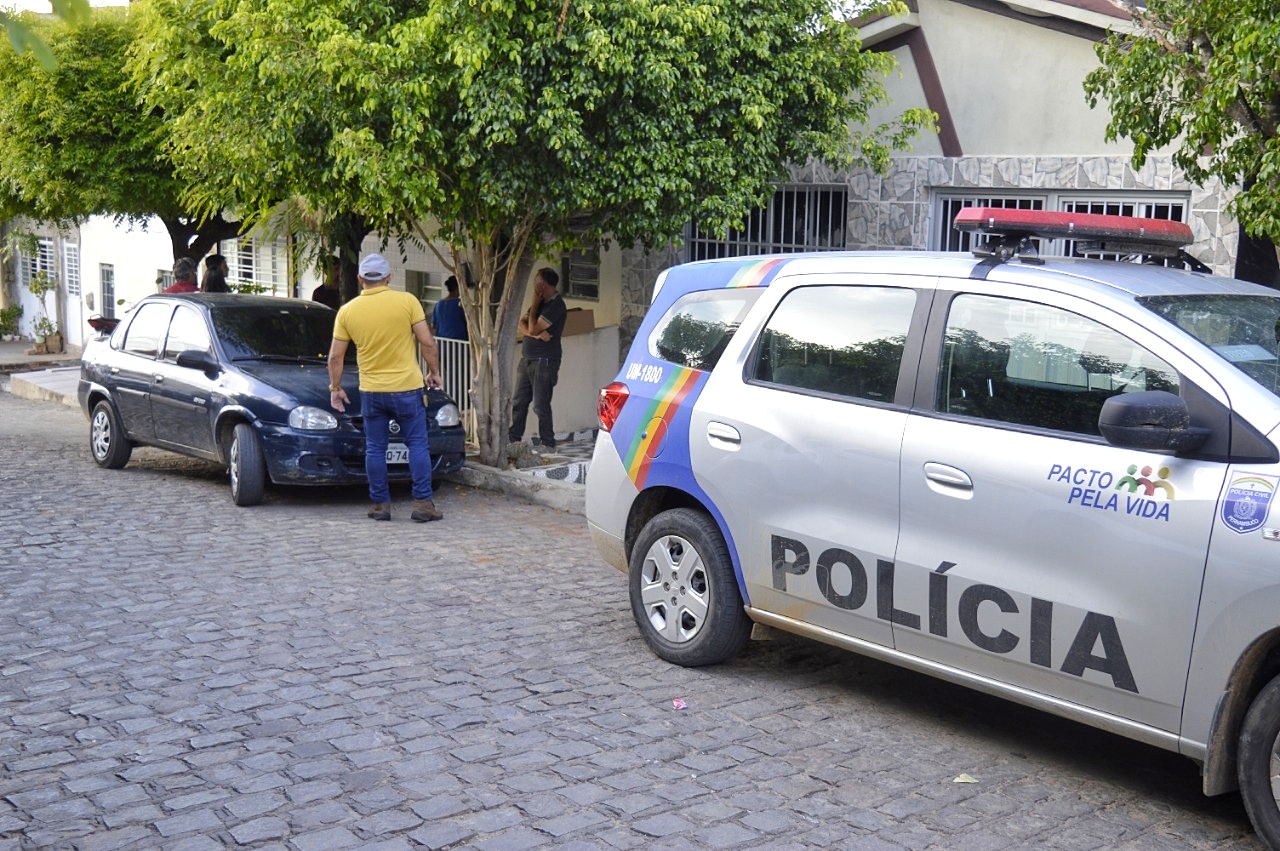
column 1257, row 666
column 655, row 500
column 227, row 421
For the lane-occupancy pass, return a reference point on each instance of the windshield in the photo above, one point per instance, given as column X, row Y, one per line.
column 290, row 331
column 1242, row 329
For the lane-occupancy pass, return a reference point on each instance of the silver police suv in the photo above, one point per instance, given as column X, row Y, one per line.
column 1047, row 478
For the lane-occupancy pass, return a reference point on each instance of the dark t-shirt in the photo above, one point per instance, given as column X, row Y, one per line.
column 449, row 319
column 328, row 296
column 554, row 312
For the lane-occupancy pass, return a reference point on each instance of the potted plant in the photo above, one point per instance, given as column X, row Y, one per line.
column 45, row 329
column 9, row 317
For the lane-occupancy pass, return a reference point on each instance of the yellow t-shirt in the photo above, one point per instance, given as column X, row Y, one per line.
column 380, row 323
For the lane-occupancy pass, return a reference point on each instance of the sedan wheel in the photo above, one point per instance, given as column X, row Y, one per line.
column 684, row 595
column 110, row 448
column 247, row 468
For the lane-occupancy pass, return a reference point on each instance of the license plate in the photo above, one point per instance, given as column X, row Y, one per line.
column 397, row 453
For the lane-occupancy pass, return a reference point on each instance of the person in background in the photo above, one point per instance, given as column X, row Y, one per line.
column 447, row 317
column 327, row 293
column 539, row 365
column 385, row 324
column 184, row 276
column 215, row 274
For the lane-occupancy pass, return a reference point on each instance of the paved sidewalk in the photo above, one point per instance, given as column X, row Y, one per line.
column 557, row 483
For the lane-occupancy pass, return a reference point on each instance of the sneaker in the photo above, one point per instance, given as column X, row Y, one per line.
column 380, row 511
column 424, row 511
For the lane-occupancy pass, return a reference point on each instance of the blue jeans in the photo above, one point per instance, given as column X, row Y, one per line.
column 536, row 377
column 409, row 412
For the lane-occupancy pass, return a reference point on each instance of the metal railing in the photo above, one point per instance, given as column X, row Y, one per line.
column 455, row 370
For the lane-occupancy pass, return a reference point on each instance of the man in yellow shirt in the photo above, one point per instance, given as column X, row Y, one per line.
column 387, row 325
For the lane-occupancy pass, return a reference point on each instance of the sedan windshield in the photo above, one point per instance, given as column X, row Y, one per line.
column 1243, row 329
column 290, row 332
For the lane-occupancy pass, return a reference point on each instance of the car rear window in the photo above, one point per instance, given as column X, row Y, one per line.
column 698, row 327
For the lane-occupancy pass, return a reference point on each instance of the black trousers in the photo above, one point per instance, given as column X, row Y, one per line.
column 535, row 379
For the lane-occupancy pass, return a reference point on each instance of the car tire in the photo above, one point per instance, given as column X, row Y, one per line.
column 684, row 595
column 1258, row 763
column 247, row 468
column 107, row 442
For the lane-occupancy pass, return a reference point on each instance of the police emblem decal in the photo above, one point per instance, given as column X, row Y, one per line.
column 1247, row 501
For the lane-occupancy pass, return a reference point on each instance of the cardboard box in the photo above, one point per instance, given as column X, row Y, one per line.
column 579, row 321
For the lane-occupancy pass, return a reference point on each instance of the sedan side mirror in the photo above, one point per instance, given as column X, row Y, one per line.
column 197, row 359
column 1154, row 420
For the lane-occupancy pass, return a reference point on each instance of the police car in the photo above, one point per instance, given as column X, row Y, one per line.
column 1047, row 478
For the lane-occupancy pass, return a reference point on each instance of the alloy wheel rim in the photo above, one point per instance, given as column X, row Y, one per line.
column 674, row 589
column 101, row 435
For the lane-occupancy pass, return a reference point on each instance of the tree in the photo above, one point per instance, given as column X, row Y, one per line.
column 499, row 132
column 75, row 143
column 23, row 39
column 1202, row 75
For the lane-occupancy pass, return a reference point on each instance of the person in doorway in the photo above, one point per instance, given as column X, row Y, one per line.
column 215, row 274
column 388, row 327
column 184, row 276
column 447, row 317
column 539, row 367
column 327, row 294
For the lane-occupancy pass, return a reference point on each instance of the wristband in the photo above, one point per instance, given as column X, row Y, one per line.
column 334, row 388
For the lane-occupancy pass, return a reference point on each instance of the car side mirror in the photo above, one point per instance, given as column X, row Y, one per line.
column 1154, row 420
column 197, row 359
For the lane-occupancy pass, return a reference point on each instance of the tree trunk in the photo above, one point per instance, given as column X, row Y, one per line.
column 347, row 233
column 495, row 361
column 195, row 241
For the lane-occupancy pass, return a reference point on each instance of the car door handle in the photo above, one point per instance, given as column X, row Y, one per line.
column 159, row 379
column 945, row 474
column 724, row 436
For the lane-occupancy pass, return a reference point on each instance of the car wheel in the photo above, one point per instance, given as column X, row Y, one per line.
column 683, row 592
column 1258, row 763
column 110, row 448
column 248, row 470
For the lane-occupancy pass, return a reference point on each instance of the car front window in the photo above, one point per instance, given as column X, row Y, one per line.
column 1242, row 329
column 289, row 331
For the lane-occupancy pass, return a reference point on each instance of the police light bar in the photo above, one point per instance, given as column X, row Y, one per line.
column 1047, row 224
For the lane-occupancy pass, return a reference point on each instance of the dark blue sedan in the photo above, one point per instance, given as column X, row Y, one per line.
column 240, row 380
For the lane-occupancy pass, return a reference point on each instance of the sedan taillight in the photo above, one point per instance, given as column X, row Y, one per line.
column 609, row 405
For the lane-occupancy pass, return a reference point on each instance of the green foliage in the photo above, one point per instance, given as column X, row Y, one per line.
column 23, row 39
column 1202, row 76
column 504, row 129
column 74, row 142
column 9, row 317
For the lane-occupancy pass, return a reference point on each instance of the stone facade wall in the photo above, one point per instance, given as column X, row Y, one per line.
column 894, row 211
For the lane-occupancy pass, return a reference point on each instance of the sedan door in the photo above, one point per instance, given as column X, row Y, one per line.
column 182, row 397
column 1033, row 553
column 132, row 369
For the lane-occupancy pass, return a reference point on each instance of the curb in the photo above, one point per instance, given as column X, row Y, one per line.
column 552, row 493
column 22, row 388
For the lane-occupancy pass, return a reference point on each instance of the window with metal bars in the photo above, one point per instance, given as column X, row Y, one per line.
column 797, row 218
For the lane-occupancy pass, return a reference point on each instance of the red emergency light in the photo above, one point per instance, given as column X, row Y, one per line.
column 1047, row 224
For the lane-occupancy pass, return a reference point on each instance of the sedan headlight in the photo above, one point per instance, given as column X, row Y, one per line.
column 309, row 418
column 448, row 415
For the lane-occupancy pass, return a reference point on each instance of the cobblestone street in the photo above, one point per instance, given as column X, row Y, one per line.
column 182, row 673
